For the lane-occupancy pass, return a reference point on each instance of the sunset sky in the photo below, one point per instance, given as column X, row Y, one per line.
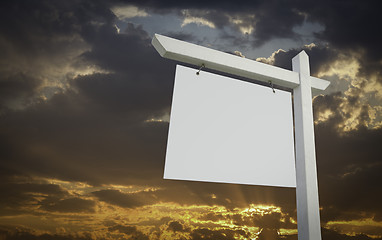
column 84, row 110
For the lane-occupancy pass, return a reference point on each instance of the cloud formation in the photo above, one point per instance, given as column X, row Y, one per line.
column 83, row 98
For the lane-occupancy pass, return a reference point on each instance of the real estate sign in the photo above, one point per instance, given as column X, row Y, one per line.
column 227, row 130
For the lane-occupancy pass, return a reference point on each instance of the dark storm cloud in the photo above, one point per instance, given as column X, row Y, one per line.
column 349, row 26
column 349, row 166
column 69, row 205
column 348, row 163
column 73, row 139
column 224, row 234
column 169, row 4
column 328, row 234
column 268, row 231
column 117, row 94
column 176, row 226
column 320, row 58
column 26, row 234
column 276, row 20
column 132, row 92
column 129, row 230
column 272, row 220
column 37, row 38
column 182, row 36
column 356, row 173
column 25, row 195
column 22, row 21
column 103, row 119
column 114, row 51
column 273, row 19
column 228, row 195
column 17, row 89
column 96, row 133
column 126, row 200
column 140, row 81
column 214, row 217
column 17, row 196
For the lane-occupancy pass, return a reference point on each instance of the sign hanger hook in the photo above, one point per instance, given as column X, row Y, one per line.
column 201, row 67
column 271, row 84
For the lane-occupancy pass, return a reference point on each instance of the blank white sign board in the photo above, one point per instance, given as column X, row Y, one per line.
column 229, row 131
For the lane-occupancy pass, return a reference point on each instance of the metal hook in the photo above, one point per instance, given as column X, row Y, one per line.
column 202, row 66
column 271, row 84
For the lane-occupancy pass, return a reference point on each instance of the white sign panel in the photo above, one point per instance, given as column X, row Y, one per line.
column 229, row 131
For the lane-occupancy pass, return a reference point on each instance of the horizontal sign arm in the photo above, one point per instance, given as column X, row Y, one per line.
column 225, row 62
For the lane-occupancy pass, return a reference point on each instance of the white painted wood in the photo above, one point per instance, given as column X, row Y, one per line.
column 302, row 84
column 308, row 215
column 229, row 131
column 197, row 55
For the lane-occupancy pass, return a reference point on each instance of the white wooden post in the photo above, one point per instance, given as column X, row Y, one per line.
column 301, row 82
column 308, row 215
